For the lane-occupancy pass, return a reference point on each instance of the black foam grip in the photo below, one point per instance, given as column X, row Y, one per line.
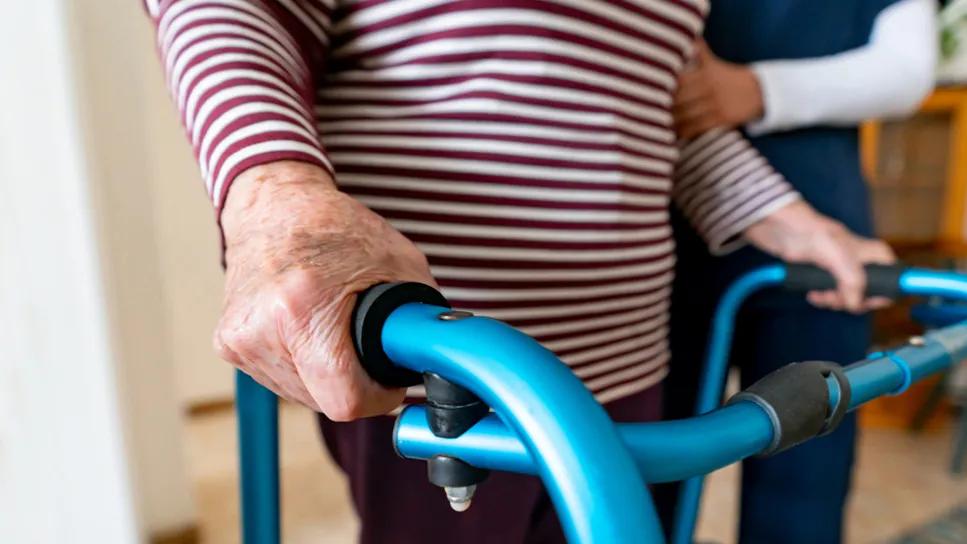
column 373, row 307
column 882, row 280
column 796, row 398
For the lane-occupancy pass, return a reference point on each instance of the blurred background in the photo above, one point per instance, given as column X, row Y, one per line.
column 116, row 421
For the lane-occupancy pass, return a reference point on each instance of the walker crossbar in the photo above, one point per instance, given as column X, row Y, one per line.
column 867, row 382
column 670, row 451
column 546, row 423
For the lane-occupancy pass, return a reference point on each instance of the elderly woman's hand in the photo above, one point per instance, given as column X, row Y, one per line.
column 298, row 251
column 714, row 93
column 797, row 233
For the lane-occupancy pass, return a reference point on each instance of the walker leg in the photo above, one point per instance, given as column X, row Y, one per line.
column 258, row 443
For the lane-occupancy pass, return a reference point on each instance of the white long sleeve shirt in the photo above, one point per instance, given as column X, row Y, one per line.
column 887, row 77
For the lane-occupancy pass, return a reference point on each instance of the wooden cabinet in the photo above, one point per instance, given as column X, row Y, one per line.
column 917, row 170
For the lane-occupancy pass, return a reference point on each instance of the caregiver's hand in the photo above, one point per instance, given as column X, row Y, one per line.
column 713, row 93
column 796, row 233
column 298, row 251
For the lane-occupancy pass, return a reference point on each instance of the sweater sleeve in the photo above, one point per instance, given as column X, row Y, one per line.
column 723, row 186
column 239, row 73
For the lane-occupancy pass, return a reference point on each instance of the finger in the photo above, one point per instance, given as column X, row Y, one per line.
column 815, row 298
column 876, row 251
column 825, row 299
column 695, row 112
column 383, row 401
column 876, row 303
column 834, row 300
column 849, row 274
column 360, row 396
column 691, row 87
column 225, row 339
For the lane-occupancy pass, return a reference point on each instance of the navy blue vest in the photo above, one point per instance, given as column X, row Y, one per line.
column 823, row 163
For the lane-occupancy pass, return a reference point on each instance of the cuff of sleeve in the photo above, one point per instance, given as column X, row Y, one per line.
column 287, row 151
column 731, row 237
column 723, row 186
column 772, row 105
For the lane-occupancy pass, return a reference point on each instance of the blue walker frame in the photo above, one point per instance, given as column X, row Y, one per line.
column 546, row 423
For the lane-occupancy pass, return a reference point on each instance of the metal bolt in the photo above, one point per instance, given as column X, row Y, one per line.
column 917, row 341
column 460, row 497
column 454, row 315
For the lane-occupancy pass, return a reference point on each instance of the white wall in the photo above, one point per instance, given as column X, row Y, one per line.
column 112, row 99
column 64, row 472
column 91, row 445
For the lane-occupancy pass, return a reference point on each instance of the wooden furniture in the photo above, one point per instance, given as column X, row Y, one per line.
column 911, row 162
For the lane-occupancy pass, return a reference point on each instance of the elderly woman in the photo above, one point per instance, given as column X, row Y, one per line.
column 519, row 154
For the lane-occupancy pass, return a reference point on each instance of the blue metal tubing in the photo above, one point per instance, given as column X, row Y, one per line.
column 258, row 443
column 935, row 283
column 589, row 473
column 885, row 375
column 665, row 451
column 674, row 450
column 870, row 378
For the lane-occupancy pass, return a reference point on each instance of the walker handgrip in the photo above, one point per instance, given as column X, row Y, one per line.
column 373, row 306
column 882, row 280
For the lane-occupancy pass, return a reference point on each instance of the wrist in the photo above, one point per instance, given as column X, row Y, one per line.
column 782, row 232
column 794, row 216
column 752, row 89
column 261, row 187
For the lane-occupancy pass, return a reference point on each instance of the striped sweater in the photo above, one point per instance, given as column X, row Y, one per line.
column 526, row 146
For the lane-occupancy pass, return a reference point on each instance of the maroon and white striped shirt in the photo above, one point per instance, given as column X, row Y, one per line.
column 526, row 146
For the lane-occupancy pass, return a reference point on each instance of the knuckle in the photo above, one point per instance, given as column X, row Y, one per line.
column 296, row 286
column 227, row 344
column 337, row 414
column 348, row 408
column 852, row 281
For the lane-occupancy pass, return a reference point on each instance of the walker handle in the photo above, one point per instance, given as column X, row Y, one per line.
column 369, row 315
column 882, row 280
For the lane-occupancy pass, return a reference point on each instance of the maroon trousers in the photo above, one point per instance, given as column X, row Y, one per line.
column 397, row 505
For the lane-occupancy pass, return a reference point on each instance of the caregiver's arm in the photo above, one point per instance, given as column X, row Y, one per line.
column 732, row 195
column 297, row 250
column 887, row 77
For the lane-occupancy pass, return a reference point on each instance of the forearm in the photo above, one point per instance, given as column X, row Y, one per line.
column 887, row 77
column 241, row 83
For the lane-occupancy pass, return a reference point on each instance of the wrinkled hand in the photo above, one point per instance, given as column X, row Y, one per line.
column 298, row 251
column 798, row 234
column 714, row 93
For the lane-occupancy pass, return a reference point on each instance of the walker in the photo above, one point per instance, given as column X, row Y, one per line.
column 545, row 422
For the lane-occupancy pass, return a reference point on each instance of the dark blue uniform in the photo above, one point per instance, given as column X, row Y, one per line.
column 798, row 496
